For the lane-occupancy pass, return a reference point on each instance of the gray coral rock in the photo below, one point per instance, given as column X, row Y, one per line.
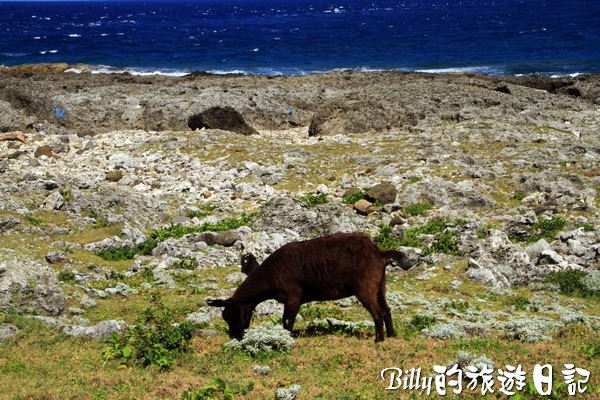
column 28, row 285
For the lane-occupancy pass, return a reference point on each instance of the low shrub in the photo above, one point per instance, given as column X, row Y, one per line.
column 530, row 330
column 354, row 197
column 312, row 200
column 576, row 282
column 263, row 340
column 444, row 331
column 127, row 253
column 287, row 393
column 66, row 276
column 443, row 242
column 157, row 339
column 546, row 229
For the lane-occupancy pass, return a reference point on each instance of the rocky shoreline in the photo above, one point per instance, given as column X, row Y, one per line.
column 496, row 158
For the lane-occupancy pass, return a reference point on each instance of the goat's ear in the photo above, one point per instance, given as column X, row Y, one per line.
column 218, row 303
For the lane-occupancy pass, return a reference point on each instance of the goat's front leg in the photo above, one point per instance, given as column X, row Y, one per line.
column 289, row 314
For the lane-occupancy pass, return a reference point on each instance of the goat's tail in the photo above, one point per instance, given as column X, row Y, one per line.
column 399, row 257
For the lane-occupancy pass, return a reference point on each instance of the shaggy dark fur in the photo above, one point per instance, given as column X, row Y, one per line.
column 326, row 268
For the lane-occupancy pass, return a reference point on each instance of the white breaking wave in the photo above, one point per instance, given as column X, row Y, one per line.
column 103, row 69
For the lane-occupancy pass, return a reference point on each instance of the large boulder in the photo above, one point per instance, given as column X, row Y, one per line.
column 283, row 214
column 498, row 262
column 29, row 286
column 384, row 193
column 12, row 119
column 224, row 118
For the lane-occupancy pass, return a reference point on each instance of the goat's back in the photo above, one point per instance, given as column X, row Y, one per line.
column 328, row 267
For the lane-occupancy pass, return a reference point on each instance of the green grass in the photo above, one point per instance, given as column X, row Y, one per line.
column 418, row 209
column 178, row 230
column 37, row 222
column 41, row 363
column 203, row 211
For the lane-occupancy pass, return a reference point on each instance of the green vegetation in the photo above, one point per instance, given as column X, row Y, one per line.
column 443, row 241
column 354, row 197
column 203, row 211
column 158, row 339
column 416, row 325
column 178, row 230
column 418, row 209
column 217, row 387
column 33, row 220
column 460, row 306
column 519, row 302
column 66, row 276
column 574, row 282
column 312, row 200
column 127, row 253
column 546, row 229
column 184, row 263
column 518, row 196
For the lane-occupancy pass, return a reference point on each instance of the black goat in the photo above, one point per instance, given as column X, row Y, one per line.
column 326, row 268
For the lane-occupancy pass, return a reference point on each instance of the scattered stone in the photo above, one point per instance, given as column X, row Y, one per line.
column 57, row 257
column 236, row 277
column 8, row 331
column 384, row 193
column 102, row 330
column 362, row 206
column 8, row 223
column 114, row 176
column 122, row 289
column 54, row 201
column 45, row 150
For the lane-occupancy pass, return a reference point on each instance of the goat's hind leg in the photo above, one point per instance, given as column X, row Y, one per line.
column 385, row 309
column 372, row 306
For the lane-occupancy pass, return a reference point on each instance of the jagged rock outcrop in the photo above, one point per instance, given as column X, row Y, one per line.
column 224, row 118
column 31, row 286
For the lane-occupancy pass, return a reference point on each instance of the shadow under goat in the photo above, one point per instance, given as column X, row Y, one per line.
column 326, row 268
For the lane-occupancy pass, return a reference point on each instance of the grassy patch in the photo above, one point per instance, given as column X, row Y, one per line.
column 203, row 211
column 226, row 224
column 37, row 222
column 518, row 196
column 416, row 325
column 418, row 209
column 520, row 302
column 66, row 276
column 127, row 253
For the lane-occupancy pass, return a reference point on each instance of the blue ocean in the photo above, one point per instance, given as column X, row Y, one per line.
column 500, row 37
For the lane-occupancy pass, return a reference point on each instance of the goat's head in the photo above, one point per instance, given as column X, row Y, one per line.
column 236, row 315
